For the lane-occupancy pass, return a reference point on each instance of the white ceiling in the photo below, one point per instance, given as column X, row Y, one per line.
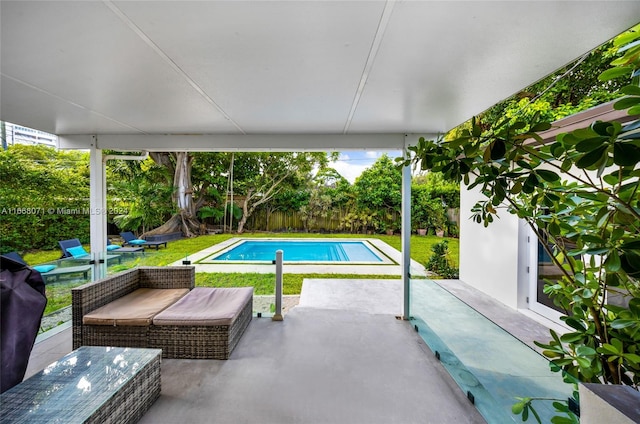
column 303, row 69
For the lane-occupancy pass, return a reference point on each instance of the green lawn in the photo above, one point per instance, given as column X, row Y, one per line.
column 59, row 294
column 178, row 249
column 263, row 284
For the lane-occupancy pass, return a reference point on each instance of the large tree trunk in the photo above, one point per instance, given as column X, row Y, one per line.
column 184, row 220
column 188, row 226
column 183, row 190
column 245, row 212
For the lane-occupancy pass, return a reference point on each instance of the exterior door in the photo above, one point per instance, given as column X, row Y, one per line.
column 541, row 270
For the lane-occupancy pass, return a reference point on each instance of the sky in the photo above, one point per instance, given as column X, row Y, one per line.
column 351, row 164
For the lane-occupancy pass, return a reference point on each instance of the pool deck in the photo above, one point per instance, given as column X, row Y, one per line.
column 417, row 270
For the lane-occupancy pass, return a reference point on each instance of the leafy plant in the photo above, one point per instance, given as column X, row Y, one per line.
column 142, row 190
column 210, row 212
column 580, row 195
column 44, row 197
column 448, row 192
column 426, row 211
column 439, row 261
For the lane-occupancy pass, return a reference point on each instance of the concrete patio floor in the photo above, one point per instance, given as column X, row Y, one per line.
column 334, row 359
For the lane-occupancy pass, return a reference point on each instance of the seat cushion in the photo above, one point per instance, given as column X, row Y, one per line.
column 205, row 306
column 136, row 308
column 77, row 252
column 44, row 268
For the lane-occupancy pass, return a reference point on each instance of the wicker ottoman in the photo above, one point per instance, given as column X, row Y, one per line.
column 207, row 323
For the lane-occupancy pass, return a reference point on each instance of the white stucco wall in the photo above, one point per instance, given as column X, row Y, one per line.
column 489, row 256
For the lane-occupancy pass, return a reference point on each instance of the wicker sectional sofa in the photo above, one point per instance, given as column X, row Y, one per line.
column 158, row 307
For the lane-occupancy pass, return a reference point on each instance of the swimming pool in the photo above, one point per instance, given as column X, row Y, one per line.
column 314, row 251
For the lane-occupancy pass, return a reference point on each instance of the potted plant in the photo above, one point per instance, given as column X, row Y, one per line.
column 419, row 218
column 394, row 226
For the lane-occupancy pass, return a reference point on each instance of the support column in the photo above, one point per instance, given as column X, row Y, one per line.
column 277, row 316
column 406, row 238
column 98, row 209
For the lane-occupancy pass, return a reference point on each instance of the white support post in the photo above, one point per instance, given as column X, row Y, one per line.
column 406, row 239
column 97, row 210
column 277, row 316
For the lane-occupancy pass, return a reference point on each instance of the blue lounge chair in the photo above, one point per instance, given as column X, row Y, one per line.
column 116, row 248
column 130, row 239
column 51, row 271
column 72, row 249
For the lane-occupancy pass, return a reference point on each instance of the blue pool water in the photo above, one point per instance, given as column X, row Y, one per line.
column 303, row 251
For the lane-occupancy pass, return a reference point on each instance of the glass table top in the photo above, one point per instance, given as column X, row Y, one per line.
column 74, row 387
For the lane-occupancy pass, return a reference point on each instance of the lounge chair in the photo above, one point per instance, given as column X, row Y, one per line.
column 51, row 271
column 116, row 248
column 130, row 239
column 72, row 250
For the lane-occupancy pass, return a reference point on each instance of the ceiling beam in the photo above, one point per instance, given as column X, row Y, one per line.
column 244, row 143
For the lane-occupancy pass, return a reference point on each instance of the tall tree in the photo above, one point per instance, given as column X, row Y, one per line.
column 270, row 174
column 378, row 193
column 184, row 219
column 380, row 186
column 328, row 195
column 186, row 197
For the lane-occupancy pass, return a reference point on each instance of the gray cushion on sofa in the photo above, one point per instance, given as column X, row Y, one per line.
column 205, row 306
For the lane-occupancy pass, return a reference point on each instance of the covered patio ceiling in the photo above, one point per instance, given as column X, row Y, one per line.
column 280, row 75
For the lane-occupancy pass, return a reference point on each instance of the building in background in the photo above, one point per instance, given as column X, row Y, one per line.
column 16, row 134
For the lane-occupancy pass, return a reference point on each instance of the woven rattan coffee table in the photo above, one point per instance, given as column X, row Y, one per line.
column 89, row 385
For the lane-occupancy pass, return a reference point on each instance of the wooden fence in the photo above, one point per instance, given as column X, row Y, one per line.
column 279, row 221
column 291, row 221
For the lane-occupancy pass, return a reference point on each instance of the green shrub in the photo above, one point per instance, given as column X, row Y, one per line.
column 44, row 197
column 439, row 261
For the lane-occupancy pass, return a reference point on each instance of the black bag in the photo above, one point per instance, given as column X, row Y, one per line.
column 22, row 303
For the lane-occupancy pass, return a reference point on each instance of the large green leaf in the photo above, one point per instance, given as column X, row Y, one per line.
column 593, row 157
column 572, row 337
column 530, row 183
column 557, row 150
column 626, row 102
column 631, row 90
column 604, row 129
column 625, row 154
column 613, row 73
column 619, row 324
column 547, row 175
column 540, row 126
column 498, row 149
column 612, row 263
column 574, row 323
column 632, row 51
column 626, row 40
column 589, row 144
